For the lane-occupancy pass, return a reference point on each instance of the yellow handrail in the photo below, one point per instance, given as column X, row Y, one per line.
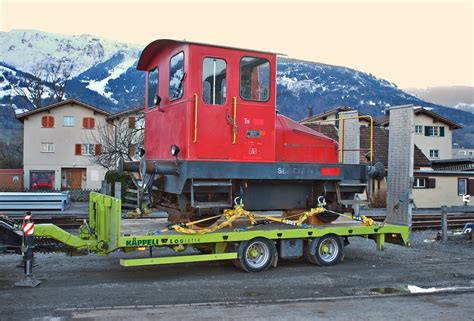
column 195, row 118
column 234, row 138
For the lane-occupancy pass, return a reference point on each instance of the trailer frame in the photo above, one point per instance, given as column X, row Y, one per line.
column 103, row 235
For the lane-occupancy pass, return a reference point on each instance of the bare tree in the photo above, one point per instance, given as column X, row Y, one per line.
column 47, row 80
column 33, row 88
column 119, row 138
column 11, row 155
column 57, row 75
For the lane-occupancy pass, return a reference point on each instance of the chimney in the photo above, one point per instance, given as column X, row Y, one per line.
column 310, row 111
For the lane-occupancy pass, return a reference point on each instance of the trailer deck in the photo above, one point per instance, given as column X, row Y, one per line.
column 106, row 232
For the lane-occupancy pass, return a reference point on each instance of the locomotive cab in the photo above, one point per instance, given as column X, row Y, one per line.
column 214, row 103
column 212, row 134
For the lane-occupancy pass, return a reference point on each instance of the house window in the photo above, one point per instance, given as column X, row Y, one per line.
column 420, row 182
column 176, row 76
column 254, row 79
column 88, row 122
column 434, row 131
column 47, row 147
column 47, row 121
column 214, row 81
column 462, row 186
column 87, row 149
column 434, row 153
column 419, row 129
column 68, row 121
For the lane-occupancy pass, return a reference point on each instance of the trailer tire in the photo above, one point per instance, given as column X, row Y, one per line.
column 255, row 255
column 326, row 250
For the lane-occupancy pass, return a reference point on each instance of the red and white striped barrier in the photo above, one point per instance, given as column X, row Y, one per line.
column 29, row 228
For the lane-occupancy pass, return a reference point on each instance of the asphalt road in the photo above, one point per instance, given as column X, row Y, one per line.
column 92, row 287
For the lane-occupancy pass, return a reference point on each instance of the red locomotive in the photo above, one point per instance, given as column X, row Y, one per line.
column 213, row 134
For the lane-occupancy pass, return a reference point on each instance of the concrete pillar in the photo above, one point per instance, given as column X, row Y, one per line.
column 118, row 190
column 400, row 165
column 349, row 134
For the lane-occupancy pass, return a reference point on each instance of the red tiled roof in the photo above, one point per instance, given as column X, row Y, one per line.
column 328, row 130
column 380, row 147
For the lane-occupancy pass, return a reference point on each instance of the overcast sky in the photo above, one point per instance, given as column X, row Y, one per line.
column 415, row 43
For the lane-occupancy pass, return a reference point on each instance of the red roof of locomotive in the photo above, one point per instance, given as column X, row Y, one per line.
column 151, row 49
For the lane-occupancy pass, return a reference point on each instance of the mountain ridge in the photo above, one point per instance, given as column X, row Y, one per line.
column 107, row 78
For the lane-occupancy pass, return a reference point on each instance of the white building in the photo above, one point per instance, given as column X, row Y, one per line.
column 58, row 141
column 433, row 133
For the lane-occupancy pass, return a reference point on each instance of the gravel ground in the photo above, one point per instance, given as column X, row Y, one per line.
column 70, row 284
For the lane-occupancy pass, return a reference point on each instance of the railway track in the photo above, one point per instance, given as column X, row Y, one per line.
column 420, row 221
column 433, row 221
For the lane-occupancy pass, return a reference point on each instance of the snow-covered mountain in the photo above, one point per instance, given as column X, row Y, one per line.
column 105, row 76
column 26, row 49
column 458, row 97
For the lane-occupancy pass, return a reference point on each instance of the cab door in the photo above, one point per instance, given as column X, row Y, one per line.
column 213, row 107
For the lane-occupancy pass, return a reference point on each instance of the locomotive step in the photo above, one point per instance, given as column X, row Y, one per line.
column 352, row 184
column 212, row 183
column 211, row 204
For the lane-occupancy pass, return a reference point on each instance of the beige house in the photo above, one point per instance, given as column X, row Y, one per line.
column 58, row 142
column 433, row 133
column 433, row 189
column 463, row 153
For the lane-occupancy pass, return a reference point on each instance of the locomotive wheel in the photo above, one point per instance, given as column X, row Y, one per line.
column 326, row 250
column 256, row 255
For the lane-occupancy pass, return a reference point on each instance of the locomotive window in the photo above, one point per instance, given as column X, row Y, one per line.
column 176, row 76
column 254, row 78
column 153, row 88
column 214, row 81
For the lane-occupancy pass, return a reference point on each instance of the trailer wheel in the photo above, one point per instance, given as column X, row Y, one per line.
column 325, row 251
column 256, row 255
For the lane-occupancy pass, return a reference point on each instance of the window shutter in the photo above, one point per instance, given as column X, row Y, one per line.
column 78, row 149
column 131, row 122
column 88, row 122
column 470, row 186
column 431, row 182
column 47, row 121
column 427, row 130
column 131, row 150
column 441, row 131
column 98, row 149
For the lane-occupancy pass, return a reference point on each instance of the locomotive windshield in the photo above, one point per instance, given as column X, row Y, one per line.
column 214, row 81
column 176, row 76
column 254, row 79
column 153, row 88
